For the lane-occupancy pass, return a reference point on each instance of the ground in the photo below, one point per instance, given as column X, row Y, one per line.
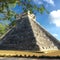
column 6, row 58
column 29, row 54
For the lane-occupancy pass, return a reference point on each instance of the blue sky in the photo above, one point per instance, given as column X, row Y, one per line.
column 51, row 22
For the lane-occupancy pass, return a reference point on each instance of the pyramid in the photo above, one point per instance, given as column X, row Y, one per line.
column 28, row 35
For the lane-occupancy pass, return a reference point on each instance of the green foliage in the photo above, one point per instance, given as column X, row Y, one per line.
column 2, row 29
column 5, row 6
column 13, row 23
column 41, row 9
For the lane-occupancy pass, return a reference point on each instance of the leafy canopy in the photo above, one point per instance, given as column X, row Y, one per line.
column 8, row 13
column 2, row 29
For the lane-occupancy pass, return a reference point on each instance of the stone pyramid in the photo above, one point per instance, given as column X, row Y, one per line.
column 28, row 35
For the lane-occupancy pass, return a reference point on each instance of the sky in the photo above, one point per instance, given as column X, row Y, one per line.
column 51, row 21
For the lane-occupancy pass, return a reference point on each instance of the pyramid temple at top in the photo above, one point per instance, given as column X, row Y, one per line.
column 28, row 35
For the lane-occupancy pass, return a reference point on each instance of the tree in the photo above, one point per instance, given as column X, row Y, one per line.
column 8, row 13
column 2, row 29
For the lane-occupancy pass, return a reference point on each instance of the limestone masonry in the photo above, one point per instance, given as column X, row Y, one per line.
column 28, row 35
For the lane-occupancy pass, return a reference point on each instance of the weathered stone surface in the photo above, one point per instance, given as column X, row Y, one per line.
column 29, row 35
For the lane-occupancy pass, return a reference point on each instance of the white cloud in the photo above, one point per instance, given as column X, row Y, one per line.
column 55, row 35
column 41, row 2
column 37, row 1
column 50, row 2
column 55, row 17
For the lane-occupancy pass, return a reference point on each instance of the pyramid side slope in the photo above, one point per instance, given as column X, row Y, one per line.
column 52, row 38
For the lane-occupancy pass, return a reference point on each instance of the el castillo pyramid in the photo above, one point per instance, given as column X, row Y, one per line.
column 28, row 35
